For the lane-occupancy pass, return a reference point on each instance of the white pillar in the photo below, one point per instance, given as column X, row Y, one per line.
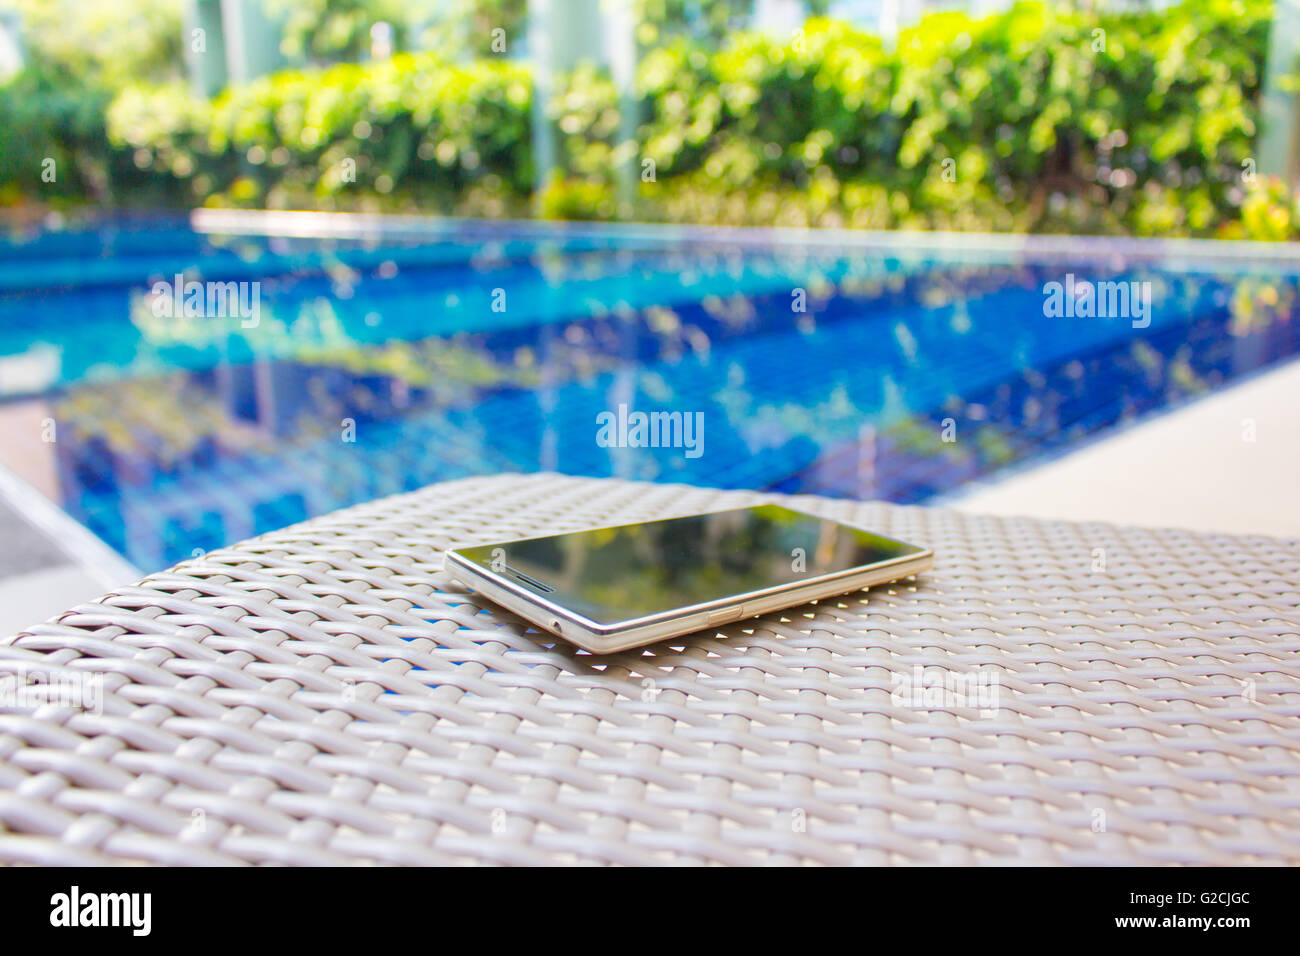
column 620, row 55
column 205, row 46
column 562, row 34
column 252, row 38
column 1278, row 144
column 543, row 57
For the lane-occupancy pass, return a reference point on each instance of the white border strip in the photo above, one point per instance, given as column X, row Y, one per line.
column 82, row 546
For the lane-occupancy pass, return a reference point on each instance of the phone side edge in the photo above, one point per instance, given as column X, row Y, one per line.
column 755, row 604
column 532, row 607
column 611, row 638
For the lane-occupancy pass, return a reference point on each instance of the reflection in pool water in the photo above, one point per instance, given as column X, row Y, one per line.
column 381, row 365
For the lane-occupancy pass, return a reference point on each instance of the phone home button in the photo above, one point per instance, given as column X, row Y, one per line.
column 725, row 616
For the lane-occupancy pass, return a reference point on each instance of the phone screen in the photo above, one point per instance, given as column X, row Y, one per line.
column 619, row 574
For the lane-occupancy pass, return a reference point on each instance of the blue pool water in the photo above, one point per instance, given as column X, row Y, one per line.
column 394, row 357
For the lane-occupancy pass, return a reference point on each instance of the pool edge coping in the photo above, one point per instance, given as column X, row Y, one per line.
column 314, row 224
column 82, row 547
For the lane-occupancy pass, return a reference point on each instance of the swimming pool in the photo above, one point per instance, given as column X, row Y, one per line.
column 387, row 354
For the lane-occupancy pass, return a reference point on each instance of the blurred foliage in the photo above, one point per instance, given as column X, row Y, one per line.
column 43, row 118
column 708, row 20
column 1042, row 117
column 77, row 56
column 415, row 126
column 465, row 27
column 1269, row 213
column 108, row 45
column 336, row 31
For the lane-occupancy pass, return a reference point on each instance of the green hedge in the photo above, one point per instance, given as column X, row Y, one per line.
column 1039, row 118
column 42, row 118
column 414, row 127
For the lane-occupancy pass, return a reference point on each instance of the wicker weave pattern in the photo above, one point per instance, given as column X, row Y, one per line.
column 325, row 694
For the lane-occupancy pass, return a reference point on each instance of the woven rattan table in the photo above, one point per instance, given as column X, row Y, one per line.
column 325, row 694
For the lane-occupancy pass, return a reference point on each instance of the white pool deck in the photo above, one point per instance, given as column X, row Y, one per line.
column 1227, row 462
column 50, row 562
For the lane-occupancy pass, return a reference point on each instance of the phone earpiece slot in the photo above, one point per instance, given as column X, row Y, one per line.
column 531, row 582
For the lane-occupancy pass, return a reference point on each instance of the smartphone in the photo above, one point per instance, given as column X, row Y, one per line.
column 610, row 589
